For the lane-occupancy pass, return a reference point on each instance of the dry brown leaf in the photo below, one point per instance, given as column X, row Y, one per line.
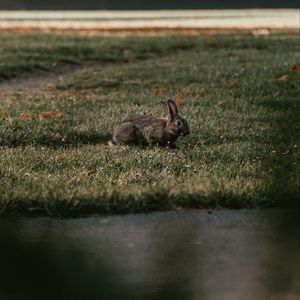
column 161, row 90
column 49, row 114
column 283, row 78
column 73, row 93
column 51, row 86
column 42, row 116
column 25, row 115
column 296, row 67
column 150, row 114
column 210, row 41
column 179, row 101
column 57, row 157
column 233, row 83
column 57, row 114
column 4, row 113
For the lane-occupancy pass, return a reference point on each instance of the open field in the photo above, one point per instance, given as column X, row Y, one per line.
column 244, row 115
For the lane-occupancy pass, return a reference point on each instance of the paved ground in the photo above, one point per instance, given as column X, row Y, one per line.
column 112, row 20
column 217, row 255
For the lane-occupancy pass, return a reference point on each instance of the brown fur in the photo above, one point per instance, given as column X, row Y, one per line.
column 143, row 130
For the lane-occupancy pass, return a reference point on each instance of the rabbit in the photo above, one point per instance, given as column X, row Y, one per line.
column 149, row 130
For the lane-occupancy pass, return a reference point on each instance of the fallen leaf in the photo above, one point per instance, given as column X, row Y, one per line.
column 42, row 116
column 233, row 83
column 210, row 41
column 57, row 157
column 161, row 90
column 49, row 114
column 283, row 78
column 25, row 115
column 150, row 114
column 57, row 114
column 4, row 113
column 296, row 67
column 73, row 93
column 51, row 86
column 179, row 101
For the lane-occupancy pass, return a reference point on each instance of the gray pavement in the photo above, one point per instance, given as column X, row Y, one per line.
column 213, row 255
column 197, row 19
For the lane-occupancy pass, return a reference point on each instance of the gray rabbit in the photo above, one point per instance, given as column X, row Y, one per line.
column 149, row 130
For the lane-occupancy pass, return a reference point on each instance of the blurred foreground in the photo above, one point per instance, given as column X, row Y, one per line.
column 187, row 21
column 180, row 255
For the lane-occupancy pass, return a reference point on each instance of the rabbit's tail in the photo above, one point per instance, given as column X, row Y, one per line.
column 111, row 143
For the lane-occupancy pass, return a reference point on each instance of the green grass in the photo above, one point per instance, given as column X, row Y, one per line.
column 22, row 54
column 243, row 150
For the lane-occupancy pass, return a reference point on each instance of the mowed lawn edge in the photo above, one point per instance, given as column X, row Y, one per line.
column 240, row 94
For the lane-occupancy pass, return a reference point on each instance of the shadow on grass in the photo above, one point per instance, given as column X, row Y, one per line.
column 58, row 139
column 87, row 137
column 118, row 203
column 283, row 185
column 283, row 155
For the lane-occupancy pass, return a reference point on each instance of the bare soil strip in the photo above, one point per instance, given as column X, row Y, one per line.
column 147, row 30
column 39, row 80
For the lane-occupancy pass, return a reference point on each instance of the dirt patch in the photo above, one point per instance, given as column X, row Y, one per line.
column 33, row 82
column 145, row 30
column 39, row 80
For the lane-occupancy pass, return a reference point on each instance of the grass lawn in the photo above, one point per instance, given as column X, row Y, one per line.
column 244, row 147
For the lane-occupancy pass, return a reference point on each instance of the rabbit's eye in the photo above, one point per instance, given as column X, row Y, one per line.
column 178, row 123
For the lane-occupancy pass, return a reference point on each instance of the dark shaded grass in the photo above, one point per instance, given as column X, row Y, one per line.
column 284, row 185
column 54, row 140
column 117, row 204
column 21, row 54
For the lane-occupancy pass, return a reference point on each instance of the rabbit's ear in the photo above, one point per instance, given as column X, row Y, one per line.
column 166, row 108
column 172, row 107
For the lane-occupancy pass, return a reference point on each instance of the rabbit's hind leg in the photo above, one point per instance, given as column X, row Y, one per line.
column 125, row 134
